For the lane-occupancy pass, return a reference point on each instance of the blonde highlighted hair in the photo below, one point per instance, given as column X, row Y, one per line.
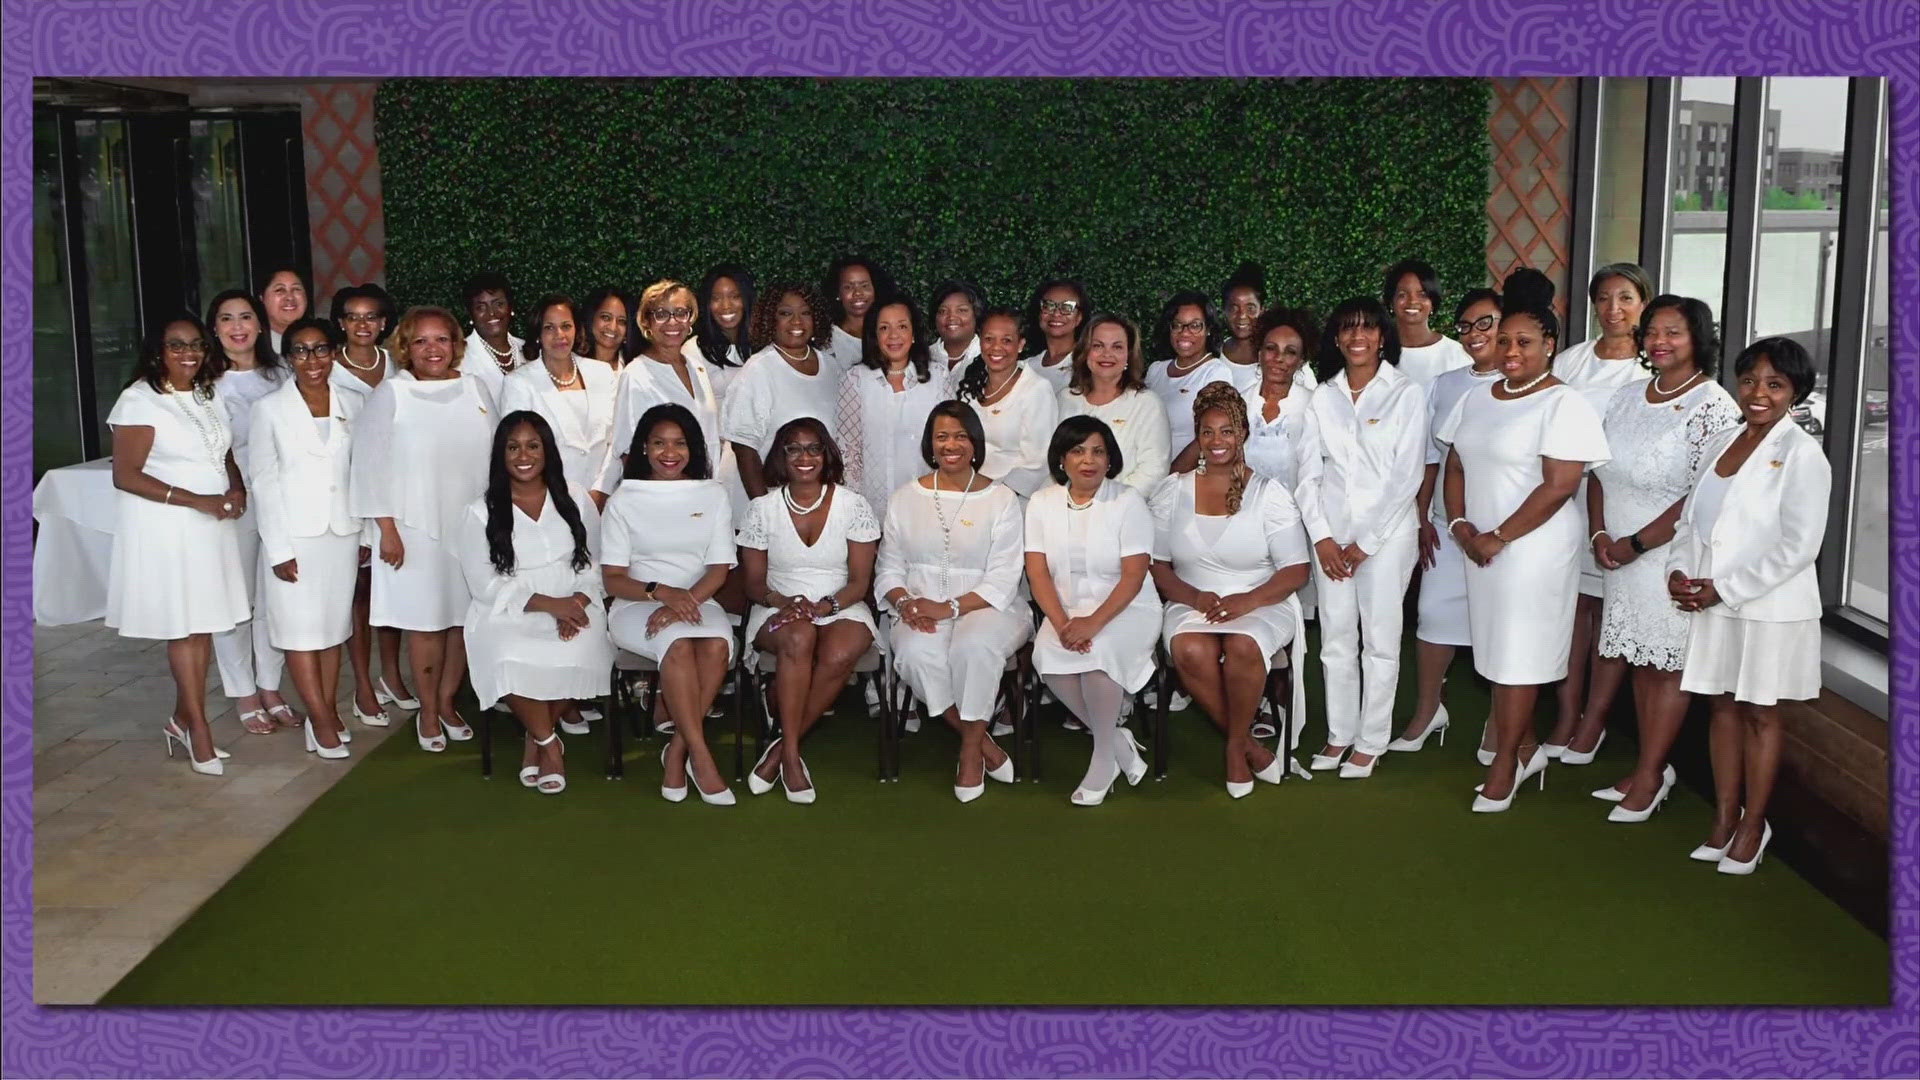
column 653, row 296
column 1222, row 397
column 408, row 328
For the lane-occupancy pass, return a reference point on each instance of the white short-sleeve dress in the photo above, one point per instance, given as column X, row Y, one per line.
column 668, row 531
column 796, row 568
column 175, row 572
column 769, row 391
column 511, row 650
column 1443, row 586
column 1520, row 606
column 1084, row 547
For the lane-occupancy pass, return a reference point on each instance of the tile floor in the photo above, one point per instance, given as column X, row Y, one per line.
column 128, row 843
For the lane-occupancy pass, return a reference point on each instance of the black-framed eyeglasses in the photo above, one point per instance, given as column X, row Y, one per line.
column 1059, row 307
column 186, row 346
column 678, row 314
column 322, row 351
column 803, row 449
column 1192, row 327
column 360, row 316
column 1482, row 324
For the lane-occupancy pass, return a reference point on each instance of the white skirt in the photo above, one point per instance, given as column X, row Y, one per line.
column 1123, row 649
column 521, row 653
column 174, row 572
column 427, row 592
column 1443, row 597
column 628, row 628
column 315, row 612
column 858, row 612
column 1761, row 663
column 1271, row 627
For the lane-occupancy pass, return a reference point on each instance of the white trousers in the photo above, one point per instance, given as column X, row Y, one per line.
column 1360, row 620
column 961, row 661
column 247, row 660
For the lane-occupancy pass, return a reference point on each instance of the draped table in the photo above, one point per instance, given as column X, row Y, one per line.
column 75, row 508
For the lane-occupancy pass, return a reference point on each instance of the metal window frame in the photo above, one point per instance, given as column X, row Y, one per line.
column 1745, row 182
column 1586, row 184
column 1656, row 183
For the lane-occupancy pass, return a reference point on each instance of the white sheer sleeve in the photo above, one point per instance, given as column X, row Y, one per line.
column 371, row 492
column 851, row 431
column 862, row 528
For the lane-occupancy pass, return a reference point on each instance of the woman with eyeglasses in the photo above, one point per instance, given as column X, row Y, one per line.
column 574, row 394
column 284, row 295
column 609, row 327
column 1017, row 409
column 1442, row 627
column 957, row 307
column 885, row 400
column 1187, row 344
column 725, row 303
column 1516, row 450
column 949, row 572
column 420, row 456
column 535, row 628
column 1055, row 315
column 1411, row 291
column 1107, row 386
column 489, row 301
column 248, row 370
column 663, row 371
column 666, row 544
column 299, row 457
column 807, row 552
column 363, row 314
column 180, row 495
column 789, row 376
column 851, row 285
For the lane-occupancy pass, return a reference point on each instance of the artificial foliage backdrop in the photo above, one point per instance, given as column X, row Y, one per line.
column 1137, row 187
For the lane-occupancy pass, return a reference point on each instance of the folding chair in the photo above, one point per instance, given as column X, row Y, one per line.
column 1279, row 694
column 757, row 673
column 1019, row 690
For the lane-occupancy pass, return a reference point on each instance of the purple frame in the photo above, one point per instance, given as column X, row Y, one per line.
column 318, row 40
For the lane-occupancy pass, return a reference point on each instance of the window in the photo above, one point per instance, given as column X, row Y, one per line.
column 56, row 393
column 1865, row 585
column 1696, row 261
column 1620, row 174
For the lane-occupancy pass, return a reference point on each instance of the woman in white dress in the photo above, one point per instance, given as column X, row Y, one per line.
column 365, row 314
column 1597, row 368
column 1443, row 624
column 725, row 299
column 1742, row 567
column 949, row 572
column 1283, row 442
column 608, row 327
column 249, row 369
column 666, row 369
column 574, row 394
column 806, row 551
column 666, row 544
column 493, row 352
column 1089, row 546
column 1017, row 408
column 851, row 285
column 957, row 307
column 535, row 626
column 1658, row 428
column 1229, row 555
column 790, row 375
column 1186, row 340
column 1242, row 299
column 420, row 456
column 180, row 494
column 1107, row 386
column 285, row 296
column 1516, row 452
column 1411, row 291
column 300, row 453
column 1360, row 516
column 1056, row 313
column 884, row 403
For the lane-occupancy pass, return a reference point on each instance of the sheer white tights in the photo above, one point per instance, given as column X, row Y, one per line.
column 1096, row 699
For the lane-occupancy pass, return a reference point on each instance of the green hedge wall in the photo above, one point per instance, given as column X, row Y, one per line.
column 1137, row 187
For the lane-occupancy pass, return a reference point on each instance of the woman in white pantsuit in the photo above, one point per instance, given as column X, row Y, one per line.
column 1229, row 553
column 949, row 572
column 535, row 628
column 1742, row 566
column 300, row 454
column 1517, row 450
column 180, row 493
column 666, row 544
column 1089, row 549
column 1107, row 386
column 420, row 456
column 572, row 393
column 1017, row 407
column 1360, row 516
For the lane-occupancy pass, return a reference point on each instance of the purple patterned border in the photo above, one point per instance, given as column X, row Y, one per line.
column 321, row 40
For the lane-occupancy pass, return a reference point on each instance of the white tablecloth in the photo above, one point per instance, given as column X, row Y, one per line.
column 76, row 508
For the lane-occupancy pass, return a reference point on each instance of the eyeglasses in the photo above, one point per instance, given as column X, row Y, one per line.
column 360, row 316
column 191, row 347
column 1059, row 307
column 678, row 314
column 322, row 351
column 1192, row 327
column 1482, row 324
column 803, row 449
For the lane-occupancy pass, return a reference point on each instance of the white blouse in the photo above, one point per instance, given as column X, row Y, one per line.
column 945, row 545
column 879, row 428
column 1177, row 393
column 191, row 435
column 1287, row 448
column 667, row 531
column 1058, row 375
column 646, row 382
column 1373, row 455
column 768, row 392
column 1019, row 428
column 1580, row 367
column 237, row 391
column 421, row 452
column 582, row 420
column 478, row 363
column 345, row 381
column 1425, row 363
column 1139, row 423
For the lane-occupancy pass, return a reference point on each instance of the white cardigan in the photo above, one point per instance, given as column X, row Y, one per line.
column 300, row 484
column 1760, row 555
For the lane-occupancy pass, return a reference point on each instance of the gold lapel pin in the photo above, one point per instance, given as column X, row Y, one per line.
column 1373, row 420
column 699, row 513
column 1776, row 464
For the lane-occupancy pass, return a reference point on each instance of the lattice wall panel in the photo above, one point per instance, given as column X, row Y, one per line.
column 343, row 187
column 1530, row 192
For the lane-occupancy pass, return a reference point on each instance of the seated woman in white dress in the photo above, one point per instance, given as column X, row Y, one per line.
column 420, row 456
column 949, row 572
column 666, row 544
column 1517, row 449
column 536, row 630
column 884, row 402
column 573, row 393
column 301, row 449
column 1185, row 345
column 1742, row 568
column 1089, row 543
column 1229, row 553
column 1016, row 407
column 806, row 554
column 1106, row 385
column 180, row 494
column 791, row 375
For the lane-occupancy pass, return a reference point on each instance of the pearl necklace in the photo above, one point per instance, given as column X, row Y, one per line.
column 1012, row 374
column 806, row 354
column 369, row 366
column 204, row 422
column 946, row 528
column 1174, row 369
column 1676, row 391
column 1071, row 505
column 786, row 493
column 1535, row 381
column 569, row 383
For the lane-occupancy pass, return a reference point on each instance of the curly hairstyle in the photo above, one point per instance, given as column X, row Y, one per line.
column 760, row 334
column 1222, row 397
column 650, row 297
column 1299, row 320
column 150, row 365
column 499, row 497
column 973, row 380
column 1248, row 275
column 264, row 357
column 537, row 314
column 1699, row 319
column 409, row 327
column 1081, row 380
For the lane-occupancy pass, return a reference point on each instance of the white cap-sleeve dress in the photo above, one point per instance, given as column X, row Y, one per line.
column 667, row 531
column 811, row 570
column 1084, row 547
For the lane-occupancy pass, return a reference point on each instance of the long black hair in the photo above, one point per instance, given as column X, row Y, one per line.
column 919, row 353
column 500, row 493
column 263, row 355
column 973, row 380
column 699, row 467
column 713, row 340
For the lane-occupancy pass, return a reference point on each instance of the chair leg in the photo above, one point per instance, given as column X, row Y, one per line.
column 619, row 715
column 1168, row 680
column 486, row 744
column 1030, row 714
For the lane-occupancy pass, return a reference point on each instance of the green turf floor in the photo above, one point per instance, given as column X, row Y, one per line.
column 415, row 882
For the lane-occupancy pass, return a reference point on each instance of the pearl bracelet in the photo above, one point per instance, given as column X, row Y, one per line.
column 1457, row 521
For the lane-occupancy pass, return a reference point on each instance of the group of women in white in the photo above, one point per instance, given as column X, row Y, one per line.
column 638, row 472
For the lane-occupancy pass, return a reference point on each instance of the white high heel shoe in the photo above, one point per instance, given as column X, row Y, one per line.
column 210, row 767
column 174, row 731
column 1436, row 726
column 455, row 729
column 552, row 783
column 1731, row 866
column 1350, row 771
column 331, row 753
column 1002, row 772
column 968, row 794
column 434, row 745
column 1133, row 766
column 377, row 718
column 722, row 798
column 384, row 696
column 804, row 797
column 1570, row 756
column 671, row 794
column 1535, row 767
column 1481, row 753
column 1239, row 789
column 756, row 785
column 1084, row 796
column 1323, row 762
column 1621, row 813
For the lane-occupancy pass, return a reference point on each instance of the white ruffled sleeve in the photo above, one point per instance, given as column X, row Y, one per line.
column 1571, row 430
column 862, row 528
column 371, row 491
column 743, row 418
column 753, row 524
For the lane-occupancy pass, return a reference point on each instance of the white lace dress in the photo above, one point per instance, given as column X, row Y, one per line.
column 1657, row 453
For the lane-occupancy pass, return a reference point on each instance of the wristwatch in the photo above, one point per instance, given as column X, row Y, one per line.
column 1634, row 543
column 651, row 585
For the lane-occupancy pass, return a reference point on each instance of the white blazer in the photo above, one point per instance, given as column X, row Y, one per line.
column 299, row 482
column 1760, row 555
column 583, row 447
